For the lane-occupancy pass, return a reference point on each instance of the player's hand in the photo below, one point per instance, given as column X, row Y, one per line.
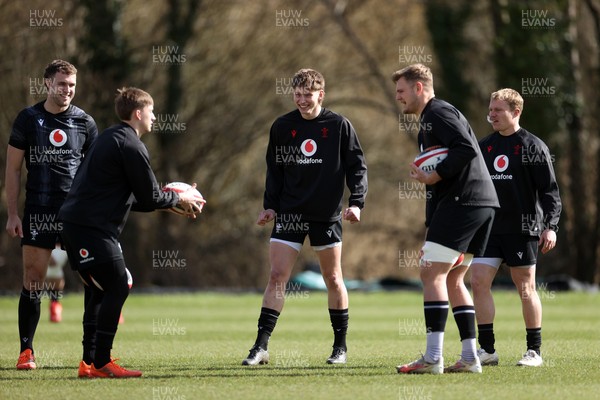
column 14, row 227
column 191, row 203
column 352, row 214
column 547, row 241
column 265, row 216
column 428, row 178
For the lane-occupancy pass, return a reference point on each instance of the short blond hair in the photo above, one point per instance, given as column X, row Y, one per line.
column 510, row 96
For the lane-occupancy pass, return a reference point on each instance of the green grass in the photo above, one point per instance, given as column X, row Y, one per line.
column 190, row 346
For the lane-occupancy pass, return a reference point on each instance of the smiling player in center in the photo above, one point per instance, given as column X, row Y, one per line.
column 312, row 152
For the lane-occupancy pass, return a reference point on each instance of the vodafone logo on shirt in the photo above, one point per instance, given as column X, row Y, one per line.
column 298, row 155
column 308, row 147
column 58, row 137
column 501, row 165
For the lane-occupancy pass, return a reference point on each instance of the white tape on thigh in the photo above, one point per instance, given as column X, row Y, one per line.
column 433, row 252
column 524, row 266
column 468, row 259
column 327, row 246
column 493, row 262
column 294, row 245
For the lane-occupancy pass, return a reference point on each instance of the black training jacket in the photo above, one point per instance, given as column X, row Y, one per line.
column 114, row 176
column 465, row 180
column 521, row 168
column 308, row 162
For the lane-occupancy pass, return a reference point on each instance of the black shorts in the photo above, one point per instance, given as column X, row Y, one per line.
column 41, row 227
column 462, row 228
column 87, row 246
column 514, row 250
column 319, row 233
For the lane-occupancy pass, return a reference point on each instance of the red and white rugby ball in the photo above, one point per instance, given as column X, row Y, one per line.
column 430, row 158
column 180, row 187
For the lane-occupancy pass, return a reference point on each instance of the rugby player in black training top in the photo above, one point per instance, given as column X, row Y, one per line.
column 52, row 137
column 521, row 168
column 114, row 178
column 459, row 214
column 312, row 152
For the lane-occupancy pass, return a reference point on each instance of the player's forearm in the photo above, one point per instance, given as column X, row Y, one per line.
column 13, row 189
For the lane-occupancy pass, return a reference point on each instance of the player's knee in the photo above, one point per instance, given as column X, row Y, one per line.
column 479, row 282
column 333, row 280
column 429, row 273
column 527, row 291
column 277, row 277
column 425, row 273
column 456, row 282
column 33, row 282
column 34, row 275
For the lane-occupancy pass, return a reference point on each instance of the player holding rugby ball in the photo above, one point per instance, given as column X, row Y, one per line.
column 459, row 214
column 115, row 178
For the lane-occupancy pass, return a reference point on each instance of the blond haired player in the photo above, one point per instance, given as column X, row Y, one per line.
column 530, row 206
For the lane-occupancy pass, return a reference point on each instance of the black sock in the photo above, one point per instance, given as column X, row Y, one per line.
column 266, row 325
column 534, row 339
column 486, row 337
column 436, row 314
column 29, row 316
column 465, row 321
column 339, row 323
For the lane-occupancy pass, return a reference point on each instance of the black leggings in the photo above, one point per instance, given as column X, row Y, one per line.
column 106, row 290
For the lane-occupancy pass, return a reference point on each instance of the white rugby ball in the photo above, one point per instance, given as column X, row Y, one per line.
column 180, row 187
column 430, row 158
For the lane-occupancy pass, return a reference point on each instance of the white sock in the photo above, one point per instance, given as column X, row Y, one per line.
column 435, row 344
column 469, row 350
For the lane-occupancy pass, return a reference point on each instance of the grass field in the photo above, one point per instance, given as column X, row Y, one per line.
column 190, row 346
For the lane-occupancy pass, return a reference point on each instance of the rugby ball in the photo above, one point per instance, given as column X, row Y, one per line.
column 180, row 187
column 430, row 158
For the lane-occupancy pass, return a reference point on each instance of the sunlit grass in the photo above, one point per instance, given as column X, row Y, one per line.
column 190, row 346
